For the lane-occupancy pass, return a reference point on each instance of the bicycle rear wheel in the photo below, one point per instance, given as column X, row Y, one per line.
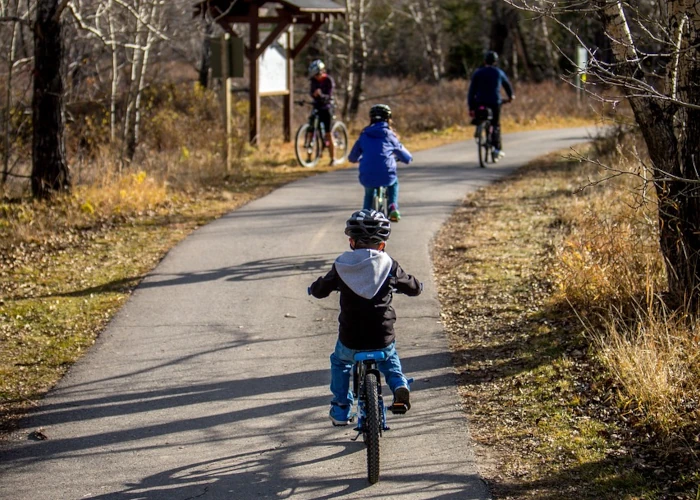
column 339, row 136
column 308, row 146
column 372, row 427
column 482, row 141
column 379, row 201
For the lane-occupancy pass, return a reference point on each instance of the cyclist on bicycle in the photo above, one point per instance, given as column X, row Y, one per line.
column 321, row 91
column 377, row 149
column 485, row 90
column 366, row 277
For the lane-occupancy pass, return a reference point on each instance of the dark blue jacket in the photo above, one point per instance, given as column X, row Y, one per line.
column 377, row 149
column 485, row 87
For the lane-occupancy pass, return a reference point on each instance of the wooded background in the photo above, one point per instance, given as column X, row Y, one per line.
column 99, row 57
column 98, row 65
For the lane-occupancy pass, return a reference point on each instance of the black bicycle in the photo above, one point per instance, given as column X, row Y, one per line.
column 484, row 134
column 371, row 411
column 311, row 140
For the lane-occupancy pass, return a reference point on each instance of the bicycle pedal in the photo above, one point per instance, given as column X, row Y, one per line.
column 398, row 409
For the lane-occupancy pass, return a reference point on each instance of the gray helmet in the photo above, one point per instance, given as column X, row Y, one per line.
column 316, row 67
column 491, row 57
column 368, row 226
column 380, row 113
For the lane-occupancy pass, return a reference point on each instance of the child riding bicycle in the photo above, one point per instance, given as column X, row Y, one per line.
column 366, row 277
column 377, row 149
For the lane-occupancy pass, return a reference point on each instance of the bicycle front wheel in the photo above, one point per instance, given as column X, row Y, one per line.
column 339, row 135
column 372, row 427
column 308, row 146
column 482, row 141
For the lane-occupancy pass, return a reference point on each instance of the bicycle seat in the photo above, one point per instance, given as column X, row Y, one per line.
column 365, row 355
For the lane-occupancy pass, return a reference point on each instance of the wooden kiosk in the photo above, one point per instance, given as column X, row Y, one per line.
column 280, row 16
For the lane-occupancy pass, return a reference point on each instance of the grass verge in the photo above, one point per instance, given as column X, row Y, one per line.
column 68, row 266
column 546, row 413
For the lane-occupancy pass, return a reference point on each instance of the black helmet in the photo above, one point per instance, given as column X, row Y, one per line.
column 316, row 67
column 368, row 226
column 491, row 57
column 380, row 113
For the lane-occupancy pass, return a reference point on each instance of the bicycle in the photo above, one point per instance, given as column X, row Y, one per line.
column 311, row 140
column 371, row 411
column 380, row 202
column 484, row 134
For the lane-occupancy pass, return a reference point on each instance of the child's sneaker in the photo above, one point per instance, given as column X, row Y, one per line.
column 338, row 423
column 339, row 415
column 394, row 214
column 402, row 400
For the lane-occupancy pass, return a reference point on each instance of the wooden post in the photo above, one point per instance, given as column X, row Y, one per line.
column 226, row 98
column 289, row 98
column 254, row 117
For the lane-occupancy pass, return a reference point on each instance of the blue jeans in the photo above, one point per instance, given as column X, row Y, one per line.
column 341, row 371
column 392, row 196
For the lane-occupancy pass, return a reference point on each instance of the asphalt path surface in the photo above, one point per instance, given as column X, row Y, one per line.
column 212, row 381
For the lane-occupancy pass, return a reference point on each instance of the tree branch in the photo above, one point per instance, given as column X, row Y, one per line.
column 16, row 19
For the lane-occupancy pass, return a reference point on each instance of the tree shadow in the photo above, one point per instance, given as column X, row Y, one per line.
column 125, row 404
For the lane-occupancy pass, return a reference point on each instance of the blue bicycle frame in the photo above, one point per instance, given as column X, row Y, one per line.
column 366, row 362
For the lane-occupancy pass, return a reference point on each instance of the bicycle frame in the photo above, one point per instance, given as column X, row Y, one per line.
column 380, row 203
column 316, row 128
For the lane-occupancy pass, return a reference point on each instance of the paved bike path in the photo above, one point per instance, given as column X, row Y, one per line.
column 212, row 381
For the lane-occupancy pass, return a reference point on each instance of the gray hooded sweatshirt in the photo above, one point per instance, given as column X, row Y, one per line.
column 366, row 280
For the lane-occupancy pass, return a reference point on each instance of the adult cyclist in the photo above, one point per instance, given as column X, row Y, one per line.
column 321, row 91
column 485, row 90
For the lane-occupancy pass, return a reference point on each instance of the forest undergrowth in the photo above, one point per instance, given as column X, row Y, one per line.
column 577, row 382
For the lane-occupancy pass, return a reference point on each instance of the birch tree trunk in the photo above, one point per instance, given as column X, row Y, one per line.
column 8, row 104
column 551, row 68
column 114, row 84
column 428, row 23
column 137, row 57
column 144, row 40
column 359, row 59
column 350, row 78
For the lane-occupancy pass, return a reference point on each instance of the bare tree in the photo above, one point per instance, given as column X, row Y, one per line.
column 428, row 21
column 656, row 63
column 15, row 20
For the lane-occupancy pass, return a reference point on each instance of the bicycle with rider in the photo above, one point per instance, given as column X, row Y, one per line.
column 485, row 90
column 321, row 91
column 377, row 150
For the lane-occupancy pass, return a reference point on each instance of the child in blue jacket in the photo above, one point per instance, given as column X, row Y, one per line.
column 377, row 149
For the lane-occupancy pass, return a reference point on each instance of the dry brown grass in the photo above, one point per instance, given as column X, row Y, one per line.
column 602, row 403
column 610, row 270
column 656, row 360
column 421, row 107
